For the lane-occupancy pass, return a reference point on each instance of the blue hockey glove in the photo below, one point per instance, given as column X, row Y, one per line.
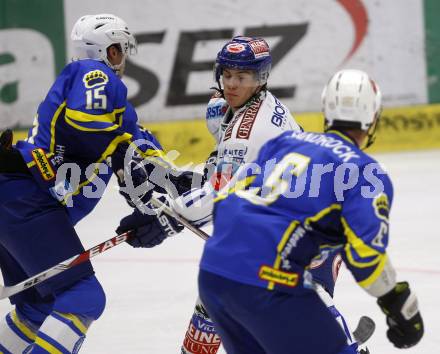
column 403, row 316
column 149, row 229
column 132, row 177
column 11, row 160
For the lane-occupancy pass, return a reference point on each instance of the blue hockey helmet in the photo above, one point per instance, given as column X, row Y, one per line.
column 245, row 53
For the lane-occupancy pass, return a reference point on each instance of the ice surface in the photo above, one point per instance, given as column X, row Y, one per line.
column 151, row 292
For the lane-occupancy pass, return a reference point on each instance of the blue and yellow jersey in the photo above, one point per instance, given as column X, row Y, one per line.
column 308, row 197
column 84, row 118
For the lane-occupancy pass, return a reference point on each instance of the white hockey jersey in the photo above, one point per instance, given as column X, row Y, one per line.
column 239, row 136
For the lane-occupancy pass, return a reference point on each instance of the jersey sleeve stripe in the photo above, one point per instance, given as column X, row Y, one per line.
column 376, row 273
column 362, row 250
column 53, row 124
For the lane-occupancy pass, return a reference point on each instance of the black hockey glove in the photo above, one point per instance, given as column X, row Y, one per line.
column 403, row 316
column 11, row 160
column 184, row 181
column 149, row 230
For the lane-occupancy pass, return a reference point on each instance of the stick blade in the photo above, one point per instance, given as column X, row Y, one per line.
column 364, row 329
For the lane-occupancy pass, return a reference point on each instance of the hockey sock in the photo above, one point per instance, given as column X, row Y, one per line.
column 16, row 333
column 74, row 309
column 61, row 333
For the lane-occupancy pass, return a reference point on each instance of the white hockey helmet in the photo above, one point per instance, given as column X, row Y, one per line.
column 93, row 34
column 351, row 99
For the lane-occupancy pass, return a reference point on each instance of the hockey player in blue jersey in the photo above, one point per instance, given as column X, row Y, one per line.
column 81, row 134
column 307, row 195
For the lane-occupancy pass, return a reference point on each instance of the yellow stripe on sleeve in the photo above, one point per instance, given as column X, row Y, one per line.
column 53, row 124
column 359, row 246
column 377, row 272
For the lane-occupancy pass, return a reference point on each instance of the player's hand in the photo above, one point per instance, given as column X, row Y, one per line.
column 183, row 181
column 403, row 316
column 132, row 177
column 210, row 166
column 11, row 160
column 149, row 229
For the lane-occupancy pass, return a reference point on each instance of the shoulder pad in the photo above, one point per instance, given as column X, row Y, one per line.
column 216, row 109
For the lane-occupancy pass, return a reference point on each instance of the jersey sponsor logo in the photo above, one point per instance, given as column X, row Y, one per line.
column 228, row 132
column 201, row 337
column 260, row 48
column 216, row 111
column 235, row 48
column 278, row 276
column 43, row 164
column 246, row 124
column 381, row 206
column 95, row 78
column 279, row 115
column 59, row 155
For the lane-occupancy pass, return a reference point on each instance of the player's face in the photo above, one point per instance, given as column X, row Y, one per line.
column 239, row 86
column 117, row 58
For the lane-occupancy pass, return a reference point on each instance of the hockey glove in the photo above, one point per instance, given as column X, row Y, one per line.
column 210, row 166
column 132, row 178
column 11, row 160
column 149, row 230
column 184, row 181
column 403, row 316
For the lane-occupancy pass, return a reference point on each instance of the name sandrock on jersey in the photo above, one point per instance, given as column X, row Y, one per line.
column 316, row 195
column 83, row 120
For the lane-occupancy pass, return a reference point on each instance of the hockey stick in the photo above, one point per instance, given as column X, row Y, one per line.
column 364, row 330
column 7, row 291
column 167, row 210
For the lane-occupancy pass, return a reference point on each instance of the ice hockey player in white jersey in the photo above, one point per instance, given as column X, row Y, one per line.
column 242, row 116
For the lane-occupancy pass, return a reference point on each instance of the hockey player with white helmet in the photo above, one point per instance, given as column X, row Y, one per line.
column 92, row 35
column 255, row 272
column 49, row 182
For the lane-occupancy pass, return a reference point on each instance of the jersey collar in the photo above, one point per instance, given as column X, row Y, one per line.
column 342, row 135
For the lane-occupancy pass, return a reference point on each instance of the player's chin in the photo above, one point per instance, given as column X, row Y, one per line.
column 234, row 101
